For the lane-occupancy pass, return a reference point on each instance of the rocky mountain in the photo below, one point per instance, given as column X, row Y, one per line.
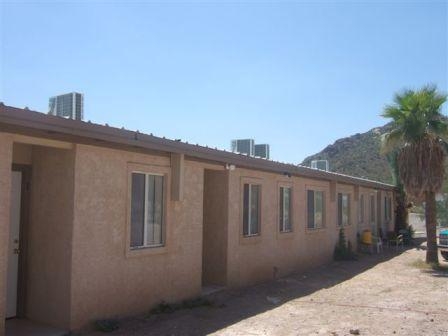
column 357, row 155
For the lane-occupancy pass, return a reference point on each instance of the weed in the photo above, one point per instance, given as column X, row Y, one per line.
column 168, row 308
column 107, row 325
column 164, row 308
column 197, row 302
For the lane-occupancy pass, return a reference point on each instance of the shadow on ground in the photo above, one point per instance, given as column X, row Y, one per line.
column 440, row 271
column 231, row 306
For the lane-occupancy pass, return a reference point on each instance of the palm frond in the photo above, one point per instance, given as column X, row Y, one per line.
column 420, row 135
column 391, row 141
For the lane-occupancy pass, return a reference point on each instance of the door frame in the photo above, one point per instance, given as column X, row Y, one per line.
column 23, row 235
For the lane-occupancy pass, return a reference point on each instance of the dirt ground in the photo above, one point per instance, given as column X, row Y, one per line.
column 384, row 294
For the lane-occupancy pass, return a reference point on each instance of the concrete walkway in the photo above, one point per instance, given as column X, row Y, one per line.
column 24, row 327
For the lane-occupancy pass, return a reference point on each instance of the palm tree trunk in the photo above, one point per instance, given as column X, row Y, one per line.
column 431, row 227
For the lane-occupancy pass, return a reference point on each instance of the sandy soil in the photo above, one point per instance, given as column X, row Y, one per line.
column 382, row 294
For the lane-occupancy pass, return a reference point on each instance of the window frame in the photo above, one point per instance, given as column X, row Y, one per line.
column 281, row 219
column 387, row 208
column 243, row 204
column 391, row 208
column 361, row 209
column 145, row 213
column 324, row 209
column 372, row 209
column 162, row 169
column 340, row 202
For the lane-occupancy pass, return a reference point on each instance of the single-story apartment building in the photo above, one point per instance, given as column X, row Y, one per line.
column 97, row 222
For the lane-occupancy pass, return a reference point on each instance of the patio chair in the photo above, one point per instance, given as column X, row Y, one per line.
column 365, row 242
column 378, row 243
column 406, row 236
column 394, row 239
column 382, row 236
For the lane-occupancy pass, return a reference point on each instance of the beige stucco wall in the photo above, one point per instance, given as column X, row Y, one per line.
column 5, row 190
column 387, row 225
column 49, row 236
column 272, row 253
column 260, row 258
column 364, row 223
column 80, row 264
column 107, row 278
column 380, row 221
column 350, row 230
column 214, row 257
column 22, row 154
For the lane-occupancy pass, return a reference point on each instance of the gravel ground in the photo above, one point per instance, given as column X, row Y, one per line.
column 384, row 294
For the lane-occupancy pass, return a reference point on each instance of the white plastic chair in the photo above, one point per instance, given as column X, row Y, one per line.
column 377, row 241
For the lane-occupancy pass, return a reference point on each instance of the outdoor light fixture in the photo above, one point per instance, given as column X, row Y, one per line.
column 230, row 166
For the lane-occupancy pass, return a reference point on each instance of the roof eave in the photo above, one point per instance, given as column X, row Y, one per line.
column 25, row 122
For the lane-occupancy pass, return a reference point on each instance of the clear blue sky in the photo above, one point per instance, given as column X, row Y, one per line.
column 297, row 75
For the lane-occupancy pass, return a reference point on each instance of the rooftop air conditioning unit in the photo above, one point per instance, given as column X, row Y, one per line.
column 320, row 164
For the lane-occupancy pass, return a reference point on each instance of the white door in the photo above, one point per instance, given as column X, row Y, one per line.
column 13, row 247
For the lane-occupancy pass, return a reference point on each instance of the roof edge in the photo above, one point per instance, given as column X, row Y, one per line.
column 25, row 120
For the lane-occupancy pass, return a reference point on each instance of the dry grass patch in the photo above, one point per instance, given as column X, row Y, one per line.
column 421, row 264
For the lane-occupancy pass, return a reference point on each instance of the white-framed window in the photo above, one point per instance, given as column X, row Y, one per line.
column 343, row 209
column 315, row 209
column 372, row 209
column 387, row 208
column 285, row 223
column 147, row 210
column 390, row 207
column 251, row 209
column 361, row 209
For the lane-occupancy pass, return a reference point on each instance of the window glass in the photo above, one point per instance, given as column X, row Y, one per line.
column 285, row 209
column 343, row 209
column 346, row 209
column 147, row 210
column 254, row 213
column 390, row 208
column 361, row 209
column 315, row 209
column 246, row 210
column 154, row 209
column 339, row 209
column 251, row 209
column 319, row 209
column 137, row 209
column 287, row 215
column 310, row 208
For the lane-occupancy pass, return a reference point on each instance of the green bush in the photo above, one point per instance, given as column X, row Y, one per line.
column 164, row 308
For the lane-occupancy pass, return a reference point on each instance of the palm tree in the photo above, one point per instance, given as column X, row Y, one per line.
column 401, row 202
column 420, row 134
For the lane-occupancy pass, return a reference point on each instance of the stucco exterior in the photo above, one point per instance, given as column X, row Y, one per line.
column 79, row 262
column 272, row 253
column 49, row 236
column 5, row 185
column 215, row 236
column 107, row 278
